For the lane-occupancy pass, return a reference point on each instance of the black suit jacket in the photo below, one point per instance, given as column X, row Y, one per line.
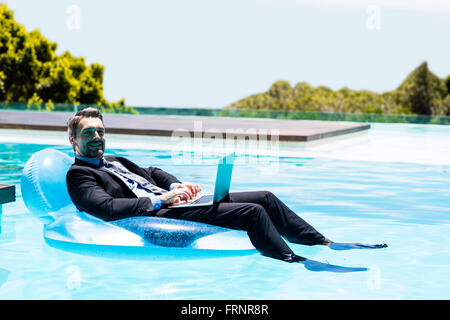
column 101, row 193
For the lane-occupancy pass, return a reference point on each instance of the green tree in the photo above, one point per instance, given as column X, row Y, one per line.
column 422, row 92
column 31, row 71
column 282, row 93
column 447, row 105
column 447, row 83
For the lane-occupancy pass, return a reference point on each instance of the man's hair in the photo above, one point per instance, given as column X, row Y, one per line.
column 73, row 122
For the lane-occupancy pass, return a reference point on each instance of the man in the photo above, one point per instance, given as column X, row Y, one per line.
column 114, row 188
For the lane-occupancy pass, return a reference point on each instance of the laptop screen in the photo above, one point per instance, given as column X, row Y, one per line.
column 223, row 178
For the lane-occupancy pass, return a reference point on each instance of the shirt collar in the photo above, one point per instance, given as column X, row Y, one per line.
column 93, row 161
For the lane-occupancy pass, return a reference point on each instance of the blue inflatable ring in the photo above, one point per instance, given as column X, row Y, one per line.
column 45, row 194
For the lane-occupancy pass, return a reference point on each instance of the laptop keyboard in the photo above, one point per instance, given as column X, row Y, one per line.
column 202, row 199
column 199, row 200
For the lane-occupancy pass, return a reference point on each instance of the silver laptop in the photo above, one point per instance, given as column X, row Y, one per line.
column 221, row 188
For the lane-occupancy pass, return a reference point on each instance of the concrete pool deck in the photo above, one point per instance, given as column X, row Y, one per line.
column 155, row 125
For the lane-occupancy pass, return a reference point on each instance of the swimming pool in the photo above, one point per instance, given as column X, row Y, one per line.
column 391, row 184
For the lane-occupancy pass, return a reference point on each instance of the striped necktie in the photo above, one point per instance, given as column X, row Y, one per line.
column 119, row 169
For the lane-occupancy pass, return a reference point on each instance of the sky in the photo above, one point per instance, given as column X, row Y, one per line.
column 209, row 53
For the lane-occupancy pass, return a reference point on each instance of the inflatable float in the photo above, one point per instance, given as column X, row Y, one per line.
column 45, row 194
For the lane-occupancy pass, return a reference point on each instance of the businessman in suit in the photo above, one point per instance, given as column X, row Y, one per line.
column 112, row 188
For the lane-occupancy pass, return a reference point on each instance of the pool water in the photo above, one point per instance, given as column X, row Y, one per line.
column 390, row 185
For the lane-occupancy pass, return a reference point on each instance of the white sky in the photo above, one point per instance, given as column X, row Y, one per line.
column 419, row 5
column 210, row 53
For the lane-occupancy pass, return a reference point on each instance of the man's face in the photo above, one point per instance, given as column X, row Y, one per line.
column 89, row 140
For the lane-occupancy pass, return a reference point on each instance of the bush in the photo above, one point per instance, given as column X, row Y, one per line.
column 421, row 93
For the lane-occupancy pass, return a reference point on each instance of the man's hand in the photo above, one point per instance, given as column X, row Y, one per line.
column 180, row 192
column 193, row 187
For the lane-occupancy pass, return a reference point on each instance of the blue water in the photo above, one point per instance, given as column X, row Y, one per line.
column 390, row 186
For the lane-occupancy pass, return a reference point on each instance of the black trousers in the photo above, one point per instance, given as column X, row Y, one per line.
column 265, row 218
